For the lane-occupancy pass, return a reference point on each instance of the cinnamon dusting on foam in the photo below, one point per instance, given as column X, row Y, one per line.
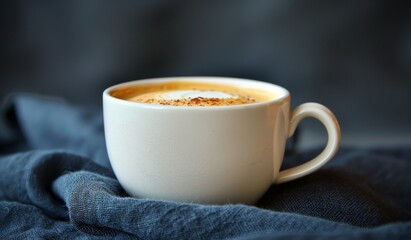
column 198, row 101
column 156, row 93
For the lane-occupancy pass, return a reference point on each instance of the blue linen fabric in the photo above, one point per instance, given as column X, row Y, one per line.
column 56, row 183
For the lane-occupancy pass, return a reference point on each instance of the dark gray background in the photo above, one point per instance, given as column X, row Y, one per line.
column 352, row 56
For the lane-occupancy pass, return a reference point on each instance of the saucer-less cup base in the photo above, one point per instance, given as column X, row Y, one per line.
column 215, row 155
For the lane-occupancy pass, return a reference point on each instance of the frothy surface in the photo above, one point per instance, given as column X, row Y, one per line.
column 191, row 94
column 192, row 98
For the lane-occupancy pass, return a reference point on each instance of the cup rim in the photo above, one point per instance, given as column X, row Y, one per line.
column 284, row 93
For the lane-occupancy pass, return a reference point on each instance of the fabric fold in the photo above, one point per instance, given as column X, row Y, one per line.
column 91, row 200
column 27, row 177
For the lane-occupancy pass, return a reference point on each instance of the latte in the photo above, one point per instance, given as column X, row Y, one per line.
column 182, row 93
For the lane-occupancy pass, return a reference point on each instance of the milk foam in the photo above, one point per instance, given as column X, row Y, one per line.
column 190, row 94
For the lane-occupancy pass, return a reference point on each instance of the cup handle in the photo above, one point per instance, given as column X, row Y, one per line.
column 328, row 119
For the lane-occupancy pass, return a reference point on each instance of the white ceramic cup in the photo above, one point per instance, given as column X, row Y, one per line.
column 215, row 155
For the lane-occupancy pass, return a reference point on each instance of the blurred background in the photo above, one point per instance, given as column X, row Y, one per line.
column 352, row 56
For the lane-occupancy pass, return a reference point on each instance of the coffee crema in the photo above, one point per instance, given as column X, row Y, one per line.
column 184, row 93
